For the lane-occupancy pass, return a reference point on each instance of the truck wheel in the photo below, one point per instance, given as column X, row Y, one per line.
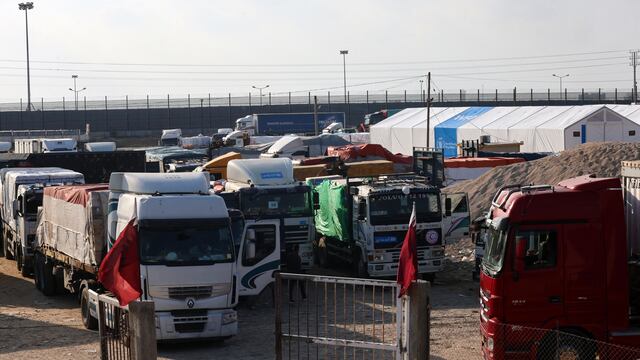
column 88, row 321
column 7, row 253
column 48, row 280
column 361, row 268
column 37, row 271
column 429, row 277
column 18, row 253
column 566, row 346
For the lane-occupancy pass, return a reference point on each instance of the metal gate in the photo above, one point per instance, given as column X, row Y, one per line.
column 115, row 339
column 322, row 317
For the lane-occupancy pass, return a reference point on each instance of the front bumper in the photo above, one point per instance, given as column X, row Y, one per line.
column 391, row 269
column 209, row 324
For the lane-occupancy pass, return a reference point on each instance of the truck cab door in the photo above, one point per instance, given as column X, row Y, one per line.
column 455, row 224
column 259, row 256
column 534, row 279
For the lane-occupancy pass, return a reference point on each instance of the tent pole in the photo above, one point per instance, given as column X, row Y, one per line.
column 428, row 105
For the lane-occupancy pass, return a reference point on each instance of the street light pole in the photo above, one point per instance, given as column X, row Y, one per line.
column 421, row 97
column 344, row 71
column 560, row 77
column 26, row 7
column 75, row 92
column 260, row 88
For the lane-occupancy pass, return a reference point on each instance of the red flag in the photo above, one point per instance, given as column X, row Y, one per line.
column 408, row 263
column 120, row 269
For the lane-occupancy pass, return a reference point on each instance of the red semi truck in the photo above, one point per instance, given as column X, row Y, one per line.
column 559, row 268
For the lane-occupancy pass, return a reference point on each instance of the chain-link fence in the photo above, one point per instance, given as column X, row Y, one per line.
column 514, row 341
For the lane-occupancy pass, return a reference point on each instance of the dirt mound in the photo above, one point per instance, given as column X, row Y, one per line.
column 601, row 159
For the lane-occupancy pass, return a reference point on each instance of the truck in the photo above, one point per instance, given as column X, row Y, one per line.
column 170, row 137
column 376, row 117
column 277, row 214
column 287, row 123
column 21, row 190
column 37, row 146
column 363, row 221
column 187, row 256
column 560, row 275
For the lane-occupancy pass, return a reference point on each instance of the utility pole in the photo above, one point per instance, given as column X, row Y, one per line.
column 344, row 71
column 428, row 106
column 260, row 88
column 315, row 114
column 634, row 63
column 75, row 92
column 26, row 7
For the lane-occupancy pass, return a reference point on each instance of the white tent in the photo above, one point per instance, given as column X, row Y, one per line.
column 403, row 131
column 540, row 128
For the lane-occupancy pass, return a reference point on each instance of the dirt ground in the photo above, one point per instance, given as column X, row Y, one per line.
column 33, row 326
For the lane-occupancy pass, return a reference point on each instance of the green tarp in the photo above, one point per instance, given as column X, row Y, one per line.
column 332, row 219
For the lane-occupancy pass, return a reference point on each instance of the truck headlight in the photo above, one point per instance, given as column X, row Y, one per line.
column 490, row 344
column 229, row 318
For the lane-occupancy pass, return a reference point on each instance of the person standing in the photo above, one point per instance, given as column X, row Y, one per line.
column 294, row 265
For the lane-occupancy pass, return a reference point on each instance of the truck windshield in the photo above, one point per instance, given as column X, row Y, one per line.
column 185, row 242
column 494, row 253
column 389, row 209
column 31, row 202
column 265, row 204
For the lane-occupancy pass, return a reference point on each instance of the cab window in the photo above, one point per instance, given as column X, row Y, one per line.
column 541, row 248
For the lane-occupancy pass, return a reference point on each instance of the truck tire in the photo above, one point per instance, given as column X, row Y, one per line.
column 24, row 269
column 429, row 277
column 5, row 246
column 566, row 346
column 88, row 321
column 48, row 280
column 360, row 267
column 37, row 271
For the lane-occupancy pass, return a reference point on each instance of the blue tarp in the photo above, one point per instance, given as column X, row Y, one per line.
column 446, row 133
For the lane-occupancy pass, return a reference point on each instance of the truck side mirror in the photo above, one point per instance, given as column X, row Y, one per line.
column 447, row 206
column 521, row 253
column 316, row 200
column 16, row 207
column 251, row 235
column 362, row 210
column 251, row 249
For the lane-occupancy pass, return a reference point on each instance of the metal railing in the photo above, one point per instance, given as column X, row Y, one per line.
column 126, row 333
column 202, row 101
column 322, row 317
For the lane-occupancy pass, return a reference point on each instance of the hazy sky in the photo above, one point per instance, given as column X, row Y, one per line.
column 159, row 47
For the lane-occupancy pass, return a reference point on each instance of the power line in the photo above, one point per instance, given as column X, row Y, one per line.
column 319, row 64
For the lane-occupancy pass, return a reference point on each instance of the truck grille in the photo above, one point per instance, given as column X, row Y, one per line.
column 395, row 255
column 296, row 233
column 195, row 292
column 189, row 320
column 190, row 327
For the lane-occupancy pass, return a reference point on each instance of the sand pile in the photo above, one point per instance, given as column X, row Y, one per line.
column 601, row 159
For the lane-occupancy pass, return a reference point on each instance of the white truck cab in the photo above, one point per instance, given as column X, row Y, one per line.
column 187, row 252
column 278, row 214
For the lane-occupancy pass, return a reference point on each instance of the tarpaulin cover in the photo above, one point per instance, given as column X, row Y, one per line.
column 332, row 219
column 480, row 162
column 446, row 133
column 351, row 153
column 74, row 229
column 78, row 194
column 526, row 156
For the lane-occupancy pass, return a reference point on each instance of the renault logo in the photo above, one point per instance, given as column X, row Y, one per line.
column 191, row 302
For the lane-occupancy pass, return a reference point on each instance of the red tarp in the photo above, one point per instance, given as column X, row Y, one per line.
column 76, row 194
column 350, row 153
column 477, row 162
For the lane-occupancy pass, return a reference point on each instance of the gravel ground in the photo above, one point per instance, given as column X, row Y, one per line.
column 33, row 326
